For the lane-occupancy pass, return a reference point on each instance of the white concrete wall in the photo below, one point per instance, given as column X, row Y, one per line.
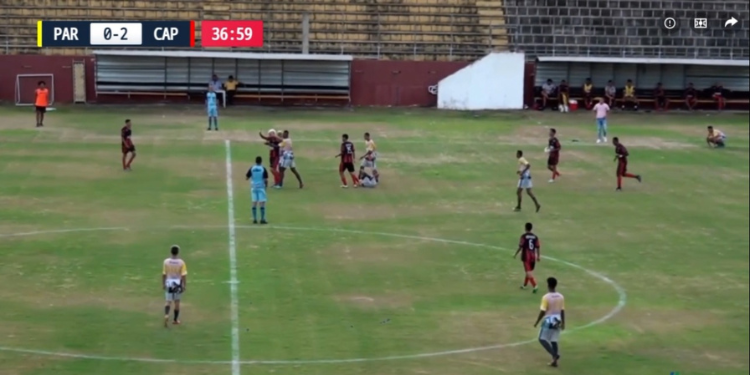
column 493, row 82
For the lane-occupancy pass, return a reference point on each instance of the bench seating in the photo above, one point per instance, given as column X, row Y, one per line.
column 738, row 99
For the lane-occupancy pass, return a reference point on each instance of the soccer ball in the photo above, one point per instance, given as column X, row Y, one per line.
column 271, row 131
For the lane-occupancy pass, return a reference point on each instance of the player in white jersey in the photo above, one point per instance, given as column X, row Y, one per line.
column 366, row 180
column 287, row 160
column 368, row 160
column 174, row 283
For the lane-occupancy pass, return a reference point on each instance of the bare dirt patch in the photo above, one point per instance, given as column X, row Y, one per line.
column 403, row 252
column 480, row 328
column 426, row 159
column 657, row 143
column 664, row 322
column 380, row 301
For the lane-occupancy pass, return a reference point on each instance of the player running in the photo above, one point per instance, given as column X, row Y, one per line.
column 530, row 248
column 258, row 177
column 716, row 138
column 621, row 156
column 553, row 149
column 174, row 283
column 127, row 145
column 347, row 161
column 370, row 156
column 273, row 141
column 287, row 160
column 524, row 181
column 213, row 109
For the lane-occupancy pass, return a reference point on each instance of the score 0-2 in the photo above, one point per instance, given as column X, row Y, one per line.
column 116, row 34
column 232, row 33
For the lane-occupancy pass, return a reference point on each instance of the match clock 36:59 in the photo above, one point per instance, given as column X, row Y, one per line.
column 232, row 33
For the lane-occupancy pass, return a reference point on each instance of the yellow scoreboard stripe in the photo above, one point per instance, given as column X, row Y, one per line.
column 38, row 33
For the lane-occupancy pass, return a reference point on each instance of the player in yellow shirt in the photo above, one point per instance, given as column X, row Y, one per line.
column 552, row 317
column 174, row 283
column 524, row 181
column 368, row 160
column 715, row 138
column 588, row 94
column 231, row 89
column 628, row 95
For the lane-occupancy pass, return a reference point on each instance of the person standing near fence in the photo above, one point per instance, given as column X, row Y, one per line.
column 41, row 102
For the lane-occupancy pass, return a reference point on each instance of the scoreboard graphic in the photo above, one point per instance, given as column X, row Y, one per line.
column 215, row 33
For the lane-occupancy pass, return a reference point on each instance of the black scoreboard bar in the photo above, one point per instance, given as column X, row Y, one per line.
column 115, row 34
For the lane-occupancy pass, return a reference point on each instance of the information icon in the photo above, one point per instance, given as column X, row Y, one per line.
column 700, row 23
column 670, row 23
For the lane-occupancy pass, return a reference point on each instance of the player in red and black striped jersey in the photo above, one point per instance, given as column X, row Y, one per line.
column 274, row 156
column 530, row 248
column 127, row 145
column 553, row 149
column 621, row 156
column 347, row 161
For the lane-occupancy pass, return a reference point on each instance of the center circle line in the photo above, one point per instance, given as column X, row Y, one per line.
column 622, row 300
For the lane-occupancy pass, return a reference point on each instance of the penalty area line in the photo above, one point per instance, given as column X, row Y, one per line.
column 236, row 365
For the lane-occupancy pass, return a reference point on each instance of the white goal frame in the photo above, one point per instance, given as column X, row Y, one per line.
column 40, row 75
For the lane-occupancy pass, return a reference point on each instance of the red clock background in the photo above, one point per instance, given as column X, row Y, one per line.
column 232, row 29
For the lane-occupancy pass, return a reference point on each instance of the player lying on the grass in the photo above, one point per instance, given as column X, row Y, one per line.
column 367, row 180
column 273, row 142
column 715, row 138
column 621, row 156
column 553, row 149
column 530, row 248
column 127, row 145
column 287, row 160
column 347, row 161
column 258, row 177
column 524, row 181
column 552, row 317
column 370, row 156
column 174, row 283
column 212, row 109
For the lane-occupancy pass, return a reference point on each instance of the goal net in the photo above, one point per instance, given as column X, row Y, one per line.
column 27, row 83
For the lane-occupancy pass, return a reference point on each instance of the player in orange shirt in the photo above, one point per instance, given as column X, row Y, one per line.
column 41, row 102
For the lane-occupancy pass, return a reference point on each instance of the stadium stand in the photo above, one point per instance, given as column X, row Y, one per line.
column 390, row 29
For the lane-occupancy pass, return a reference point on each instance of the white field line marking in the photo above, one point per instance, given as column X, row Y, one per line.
column 622, row 301
column 233, row 264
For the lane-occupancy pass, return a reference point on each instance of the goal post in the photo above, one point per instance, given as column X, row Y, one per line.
column 27, row 83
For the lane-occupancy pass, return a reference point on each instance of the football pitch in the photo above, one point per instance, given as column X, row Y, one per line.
column 416, row 276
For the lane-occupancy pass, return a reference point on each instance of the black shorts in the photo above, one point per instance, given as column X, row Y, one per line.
column 553, row 160
column 346, row 167
column 41, row 109
column 126, row 149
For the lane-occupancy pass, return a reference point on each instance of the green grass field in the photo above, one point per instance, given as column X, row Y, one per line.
column 421, row 264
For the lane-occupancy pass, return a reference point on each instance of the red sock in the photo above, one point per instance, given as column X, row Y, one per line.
column 276, row 176
column 526, row 281
column 355, row 180
column 124, row 164
column 533, row 281
column 629, row 175
column 619, row 182
column 343, row 180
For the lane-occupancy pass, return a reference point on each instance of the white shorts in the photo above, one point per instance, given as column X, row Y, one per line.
column 287, row 161
column 525, row 183
column 368, row 183
column 369, row 162
column 174, row 291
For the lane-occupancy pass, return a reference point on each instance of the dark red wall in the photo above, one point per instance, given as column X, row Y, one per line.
column 398, row 83
column 60, row 66
column 374, row 83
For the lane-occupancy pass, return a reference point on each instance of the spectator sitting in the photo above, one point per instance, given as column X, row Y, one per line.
column 718, row 94
column 610, row 92
column 231, row 86
column 564, row 93
column 216, row 84
column 691, row 97
column 588, row 90
column 628, row 95
column 548, row 93
column 660, row 97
